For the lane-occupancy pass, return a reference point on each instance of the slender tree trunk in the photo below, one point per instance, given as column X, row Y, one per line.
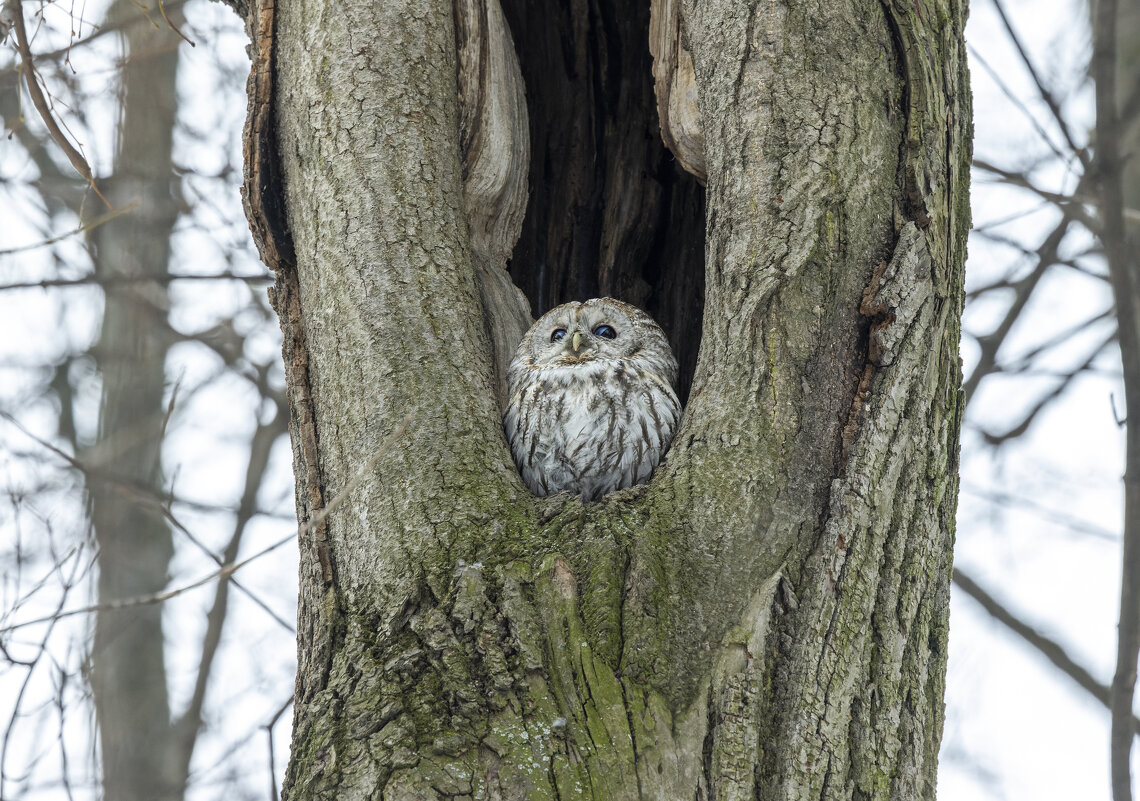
column 1111, row 69
column 128, row 676
column 767, row 617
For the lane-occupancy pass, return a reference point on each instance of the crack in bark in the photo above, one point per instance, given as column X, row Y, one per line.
column 632, row 736
column 916, row 205
column 708, row 747
column 264, row 201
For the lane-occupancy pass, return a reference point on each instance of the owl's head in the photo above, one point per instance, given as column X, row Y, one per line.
column 590, row 334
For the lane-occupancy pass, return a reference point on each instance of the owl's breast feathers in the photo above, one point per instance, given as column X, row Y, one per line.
column 590, row 428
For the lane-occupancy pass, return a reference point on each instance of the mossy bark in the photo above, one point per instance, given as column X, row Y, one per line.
column 767, row 617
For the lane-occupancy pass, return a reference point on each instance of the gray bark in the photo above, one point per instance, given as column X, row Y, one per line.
column 767, row 617
column 1112, row 66
column 128, row 676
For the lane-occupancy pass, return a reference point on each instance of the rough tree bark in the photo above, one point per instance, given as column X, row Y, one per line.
column 767, row 617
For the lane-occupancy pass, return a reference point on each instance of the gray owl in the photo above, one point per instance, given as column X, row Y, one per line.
column 591, row 404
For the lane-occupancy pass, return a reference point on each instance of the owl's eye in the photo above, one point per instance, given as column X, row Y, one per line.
column 605, row 331
column 558, row 335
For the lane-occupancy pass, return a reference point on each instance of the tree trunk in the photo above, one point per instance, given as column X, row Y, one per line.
column 1113, row 67
column 128, row 676
column 767, row 617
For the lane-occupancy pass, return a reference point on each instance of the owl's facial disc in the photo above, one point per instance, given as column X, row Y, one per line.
column 591, row 333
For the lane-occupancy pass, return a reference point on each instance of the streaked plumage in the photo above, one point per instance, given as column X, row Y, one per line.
column 595, row 418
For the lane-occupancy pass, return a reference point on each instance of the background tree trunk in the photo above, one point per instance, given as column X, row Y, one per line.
column 767, row 617
column 1115, row 173
column 128, row 677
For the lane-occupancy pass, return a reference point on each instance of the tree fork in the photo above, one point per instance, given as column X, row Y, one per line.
column 767, row 617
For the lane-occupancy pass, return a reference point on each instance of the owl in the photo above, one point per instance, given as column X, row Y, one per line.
column 591, row 404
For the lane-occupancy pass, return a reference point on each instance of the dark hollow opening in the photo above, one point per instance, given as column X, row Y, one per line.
column 611, row 212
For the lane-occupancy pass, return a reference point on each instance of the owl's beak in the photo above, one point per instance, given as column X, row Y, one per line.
column 577, row 340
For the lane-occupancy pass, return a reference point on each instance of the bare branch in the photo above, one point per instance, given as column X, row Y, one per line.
column 1017, row 103
column 1069, row 204
column 1046, row 95
column 1131, row 107
column 1072, row 264
column 1049, row 397
column 187, row 726
column 1052, row 515
column 232, row 567
column 1050, row 649
column 16, row 12
column 991, row 343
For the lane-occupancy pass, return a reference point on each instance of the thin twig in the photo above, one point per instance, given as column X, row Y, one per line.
column 273, row 762
column 119, row 280
column 173, row 27
column 1051, row 515
column 44, row 579
column 40, row 651
column 221, row 562
column 1017, row 103
column 61, row 707
column 1065, row 337
column 84, row 228
column 1046, row 95
column 103, row 29
column 1009, row 218
column 231, row 568
column 16, row 11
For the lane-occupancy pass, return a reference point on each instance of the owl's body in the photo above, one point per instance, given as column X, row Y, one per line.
column 592, row 407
